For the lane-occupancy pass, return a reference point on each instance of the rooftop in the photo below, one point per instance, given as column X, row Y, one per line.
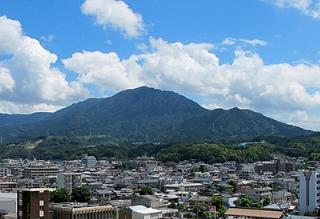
column 144, row 210
column 255, row 213
column 33, row 189
column 76, row 207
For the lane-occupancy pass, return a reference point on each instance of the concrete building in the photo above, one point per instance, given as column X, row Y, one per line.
column 146, row 200
column 33, row 203
column 8, row 202
column 82, row 211
column 142, row 212
column 185, row 186
column 89, row 161
column 8, row 186
column 273, row 166
column 37, row 172
column 309, row 185
column 69, row 180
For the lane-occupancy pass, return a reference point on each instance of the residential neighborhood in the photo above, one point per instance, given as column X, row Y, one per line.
column 147, row 188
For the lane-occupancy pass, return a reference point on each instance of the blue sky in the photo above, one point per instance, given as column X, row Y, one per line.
column 258, row 54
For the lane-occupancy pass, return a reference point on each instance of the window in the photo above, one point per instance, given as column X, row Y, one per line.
column 41, row 213
column 41, row 203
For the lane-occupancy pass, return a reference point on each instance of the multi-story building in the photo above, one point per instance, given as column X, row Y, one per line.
column 82, row 211
column 309, row 185
column 273, row 166
column 146, row 200
column 33, row 203
column 8, row 186
column 36, row 172
column 89, row 161
column 69, row 180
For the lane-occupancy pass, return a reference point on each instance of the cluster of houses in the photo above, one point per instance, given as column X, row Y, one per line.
column 177, row 190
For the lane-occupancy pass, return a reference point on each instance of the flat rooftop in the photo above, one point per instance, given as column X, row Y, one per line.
column 34, row 189
column 144, row 210
column 254, row 213
column 79, row 207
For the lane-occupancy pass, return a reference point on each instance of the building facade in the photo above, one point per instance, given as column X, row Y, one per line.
column 37, row 172
column 69, row 180
column 308, row 191
column 33, row 203
column 89, row 161
column 82, row 211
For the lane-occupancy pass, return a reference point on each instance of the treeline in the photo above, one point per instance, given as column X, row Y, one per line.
column 213, row 153
column 104, row 147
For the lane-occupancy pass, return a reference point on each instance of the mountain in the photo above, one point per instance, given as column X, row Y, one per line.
column 146, row 115
column 19, row 119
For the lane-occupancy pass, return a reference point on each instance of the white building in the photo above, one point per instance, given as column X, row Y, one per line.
column 89, row 161
column 308, row 191
column 69, row 180
column 142, row 212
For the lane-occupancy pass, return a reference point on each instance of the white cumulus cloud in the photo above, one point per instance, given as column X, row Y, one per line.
column 115, row 13
column 103, row 69
column 26, row 73
column 6, row 81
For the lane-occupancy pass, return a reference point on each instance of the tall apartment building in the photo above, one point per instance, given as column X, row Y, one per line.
column 34, row 172
column 33, row 203
column 69, row 180
column 309, row 188
column 89, row 161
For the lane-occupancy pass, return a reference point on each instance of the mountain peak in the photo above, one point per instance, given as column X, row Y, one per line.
column 149, row 100
column 148, row 114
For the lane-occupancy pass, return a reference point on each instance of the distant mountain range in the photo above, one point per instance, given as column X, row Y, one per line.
column 146, row 115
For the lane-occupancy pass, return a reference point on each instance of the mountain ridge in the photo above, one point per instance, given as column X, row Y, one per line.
column 146, row 114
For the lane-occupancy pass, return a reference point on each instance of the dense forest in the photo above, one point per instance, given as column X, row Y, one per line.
column 105, row 147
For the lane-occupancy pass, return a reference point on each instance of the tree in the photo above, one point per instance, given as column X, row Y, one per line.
column 60, row 195
column 234, row 184
column 203, row 168
column 81, row 194
column 266, row 201
column 207, row 215
column 146, row 191
column 244, row 201
column 172, row 205
column 199, row 209
column 219, row 203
